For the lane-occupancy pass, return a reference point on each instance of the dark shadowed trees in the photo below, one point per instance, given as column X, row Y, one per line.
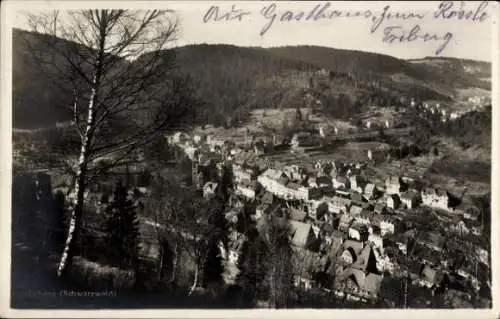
column 121, row 228
column 119, row 88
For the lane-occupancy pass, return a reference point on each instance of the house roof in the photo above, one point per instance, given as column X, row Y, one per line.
column 435, row 192
column 324, row 180
column 356, row 246
column 345, row 219
column 369, row 188
column 267, row 198
column 358, row 275
column 293, row 186
column 372, row 283
column 410, row 195
column 367, row 214
column 429, row 274
column 283, row 180
column 300, row 233
column 357, row 197
column 355, row 210
column 341, row 201
column 394, row 180
column 358, row 226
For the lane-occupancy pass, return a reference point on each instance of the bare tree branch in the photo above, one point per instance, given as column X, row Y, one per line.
column 115, row 62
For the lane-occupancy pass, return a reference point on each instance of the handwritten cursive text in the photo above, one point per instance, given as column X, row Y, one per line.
column 394, row 24
column 214, row 13
column 397, row 33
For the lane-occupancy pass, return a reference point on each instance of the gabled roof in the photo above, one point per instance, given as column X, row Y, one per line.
column 363, row 258
column 372, row 283
column 356, row 246
column 300, row 233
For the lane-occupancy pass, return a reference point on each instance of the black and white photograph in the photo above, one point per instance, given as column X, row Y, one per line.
column 249, row 155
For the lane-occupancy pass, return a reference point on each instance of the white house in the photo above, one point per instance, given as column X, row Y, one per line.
column 387, row 226
column 393, row 201
column 354, row 233
column 393, row 185
column 435, row 198
column 246, row 188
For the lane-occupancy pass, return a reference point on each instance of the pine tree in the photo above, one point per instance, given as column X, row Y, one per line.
column 122, row 229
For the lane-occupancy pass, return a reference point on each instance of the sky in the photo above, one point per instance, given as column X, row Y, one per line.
column 465, row 38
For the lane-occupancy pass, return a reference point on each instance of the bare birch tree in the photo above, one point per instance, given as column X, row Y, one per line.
column 119, row 84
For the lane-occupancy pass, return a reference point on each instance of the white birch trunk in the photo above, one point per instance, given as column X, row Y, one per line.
column 79, row 189
column 195, row 281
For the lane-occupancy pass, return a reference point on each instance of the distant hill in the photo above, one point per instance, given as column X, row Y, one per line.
column 34, row 95
column 234, row 80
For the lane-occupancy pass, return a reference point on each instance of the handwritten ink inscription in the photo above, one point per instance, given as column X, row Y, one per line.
column 214, row 13
column 386, row 20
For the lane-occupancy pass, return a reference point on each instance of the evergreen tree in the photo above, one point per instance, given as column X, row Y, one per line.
column 213, row 265
column 122, row 229
column 253, row 265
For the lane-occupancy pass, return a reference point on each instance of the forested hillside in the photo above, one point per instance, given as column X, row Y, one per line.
column 230, row 81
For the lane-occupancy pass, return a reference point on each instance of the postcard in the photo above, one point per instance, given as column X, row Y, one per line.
column 249, row 158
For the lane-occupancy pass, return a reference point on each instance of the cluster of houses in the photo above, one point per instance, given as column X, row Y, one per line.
column 436, row 109
column 342, row 223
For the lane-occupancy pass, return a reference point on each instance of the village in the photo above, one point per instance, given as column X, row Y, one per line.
column 354, row 230
column 351, row 231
